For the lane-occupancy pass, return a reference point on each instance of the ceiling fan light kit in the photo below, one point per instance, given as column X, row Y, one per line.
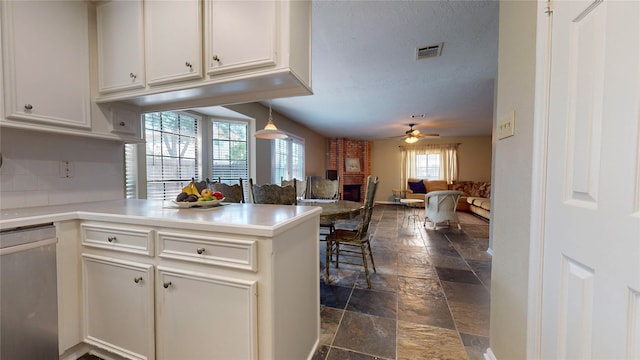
column 411, row 139
column 412, row 135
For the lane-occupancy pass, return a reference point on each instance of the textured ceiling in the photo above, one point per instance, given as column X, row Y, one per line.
column 367, row 82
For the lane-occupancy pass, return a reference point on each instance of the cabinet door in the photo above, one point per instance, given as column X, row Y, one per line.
column 240, row 35
column 46, row 54
column 204, row 317
column 120, row 33
column 173, row 40
column 118, row 306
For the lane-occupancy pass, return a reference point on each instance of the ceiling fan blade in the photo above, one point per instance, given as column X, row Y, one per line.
column 428, row 135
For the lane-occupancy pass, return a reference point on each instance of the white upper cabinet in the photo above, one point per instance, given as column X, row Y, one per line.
column 240, row 35
column 173, row 40
column 46, row 62
column 120, row 42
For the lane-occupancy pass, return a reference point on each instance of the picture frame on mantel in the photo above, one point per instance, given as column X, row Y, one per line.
column 352, row 164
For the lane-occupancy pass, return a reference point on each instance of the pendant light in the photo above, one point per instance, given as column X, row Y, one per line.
column 270, row 130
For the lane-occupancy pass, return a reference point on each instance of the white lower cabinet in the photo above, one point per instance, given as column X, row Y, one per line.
column 202, row 316
column 118, row 306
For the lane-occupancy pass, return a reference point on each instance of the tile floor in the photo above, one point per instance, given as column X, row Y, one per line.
column 429, row 298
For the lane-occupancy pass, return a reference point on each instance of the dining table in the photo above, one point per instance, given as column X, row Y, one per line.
column 333, row 210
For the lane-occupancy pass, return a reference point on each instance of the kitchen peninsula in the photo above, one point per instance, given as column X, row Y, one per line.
column 144, row 280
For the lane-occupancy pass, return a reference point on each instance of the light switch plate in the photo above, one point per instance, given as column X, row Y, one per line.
column 506, row 127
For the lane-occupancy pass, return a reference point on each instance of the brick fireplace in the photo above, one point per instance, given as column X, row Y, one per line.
column 351, row 180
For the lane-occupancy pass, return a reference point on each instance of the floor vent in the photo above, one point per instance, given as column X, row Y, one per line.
column 430, row 51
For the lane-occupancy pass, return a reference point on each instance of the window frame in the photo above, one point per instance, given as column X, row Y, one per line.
column 291, row 140
column 138, row 190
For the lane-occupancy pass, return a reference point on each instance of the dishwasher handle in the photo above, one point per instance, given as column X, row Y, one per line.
column 28, row 246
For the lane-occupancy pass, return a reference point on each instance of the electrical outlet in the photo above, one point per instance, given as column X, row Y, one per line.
column 506, row 127
column 66, row 169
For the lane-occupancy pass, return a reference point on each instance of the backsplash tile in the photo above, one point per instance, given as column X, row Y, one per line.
column 30, row 173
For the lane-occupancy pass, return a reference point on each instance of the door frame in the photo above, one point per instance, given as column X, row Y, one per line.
column 539, row 177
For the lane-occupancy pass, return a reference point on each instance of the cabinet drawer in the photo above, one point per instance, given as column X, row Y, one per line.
column 136, row 240
column 213, row 250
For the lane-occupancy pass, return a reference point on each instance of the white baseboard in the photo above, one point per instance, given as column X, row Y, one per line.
column 489, row 355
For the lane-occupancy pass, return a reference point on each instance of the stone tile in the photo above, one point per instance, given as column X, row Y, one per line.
column 455, row 275
column 379, row 281
column 471, row 318
column 329, row 322
column 466, row 293
column 383, row 304
column 341, row 276
column 419, row 287
column 334, row 296
column 449, row 250
column 451, row 262
column 427, row 342
column 428, row 309
column 321, row 353
column 367, row 334
column 475, row 345
column 342, row 354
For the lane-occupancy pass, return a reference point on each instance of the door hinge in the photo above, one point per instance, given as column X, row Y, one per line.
column 549, row 8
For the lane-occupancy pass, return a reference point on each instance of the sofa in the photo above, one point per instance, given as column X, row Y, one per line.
column 476, row 195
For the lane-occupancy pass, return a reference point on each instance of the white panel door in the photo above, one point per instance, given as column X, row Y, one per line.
column 201, row 316
column 591, row 276
column 173, row 34
column 240, row 35
column 120, row 29
column 118, row 306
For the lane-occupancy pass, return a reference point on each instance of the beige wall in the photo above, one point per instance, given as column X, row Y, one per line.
column 511, row 190
column 315, row 144
column 474, row 161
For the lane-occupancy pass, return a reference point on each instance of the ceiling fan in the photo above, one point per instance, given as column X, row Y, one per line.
column 412, row 135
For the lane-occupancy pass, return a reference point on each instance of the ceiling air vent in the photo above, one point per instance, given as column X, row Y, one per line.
column 429, row 51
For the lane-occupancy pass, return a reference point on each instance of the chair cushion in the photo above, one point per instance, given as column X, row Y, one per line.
column 417, row 187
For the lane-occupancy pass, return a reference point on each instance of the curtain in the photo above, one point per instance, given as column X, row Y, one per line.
column 448, row 161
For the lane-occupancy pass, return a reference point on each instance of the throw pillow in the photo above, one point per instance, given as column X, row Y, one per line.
column 417, row 187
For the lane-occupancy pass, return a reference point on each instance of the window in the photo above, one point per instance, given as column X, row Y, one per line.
column 172, row 153
column 181, row 146
column 288, row 159
column 428, row 166
column 229, row 149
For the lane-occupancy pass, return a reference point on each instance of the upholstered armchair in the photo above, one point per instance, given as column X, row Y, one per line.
column 440, row 206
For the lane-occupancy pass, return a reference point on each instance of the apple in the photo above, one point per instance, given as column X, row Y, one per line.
column 206, row 193
column 218, row 195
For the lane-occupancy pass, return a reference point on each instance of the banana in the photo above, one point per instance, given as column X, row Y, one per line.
column 191, row 188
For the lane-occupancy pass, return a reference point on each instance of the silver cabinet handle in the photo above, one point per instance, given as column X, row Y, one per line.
column 133, row 76
column 216, row 59
column 28, row 106
column 111, row 239
column 200, row 251
column 137, row 280
column 189, row 65
column 167, row 284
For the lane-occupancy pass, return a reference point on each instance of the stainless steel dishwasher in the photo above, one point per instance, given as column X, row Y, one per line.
column 28, row 293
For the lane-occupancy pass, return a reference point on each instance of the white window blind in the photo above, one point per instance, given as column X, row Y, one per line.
column 131, row 171
column 229, row 147
column 172, row 153
column 288, row 159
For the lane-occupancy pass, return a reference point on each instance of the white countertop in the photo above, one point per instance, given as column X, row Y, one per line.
column 250, row 219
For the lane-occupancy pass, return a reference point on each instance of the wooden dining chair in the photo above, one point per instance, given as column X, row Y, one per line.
column 232, row 193
column 273, row 194
column 354, row 245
